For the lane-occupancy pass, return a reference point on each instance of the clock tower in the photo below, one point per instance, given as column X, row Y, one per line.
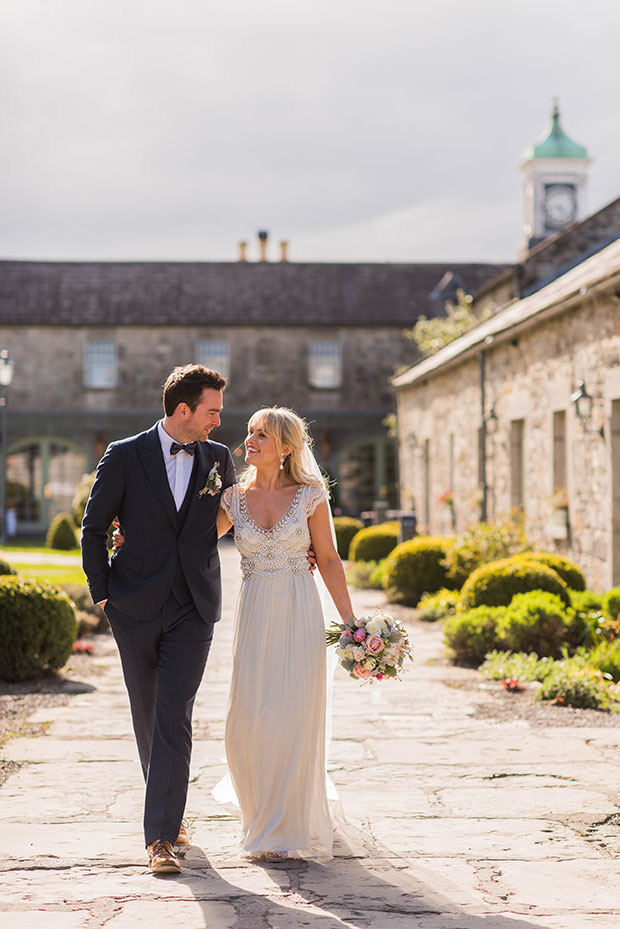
column 554, row 184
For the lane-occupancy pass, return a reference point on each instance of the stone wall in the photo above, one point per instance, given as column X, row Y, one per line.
column 527, row 378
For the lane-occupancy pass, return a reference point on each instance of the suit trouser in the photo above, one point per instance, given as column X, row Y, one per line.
column 163, row 661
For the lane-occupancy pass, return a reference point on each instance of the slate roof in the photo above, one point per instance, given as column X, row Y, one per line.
column 232, row 293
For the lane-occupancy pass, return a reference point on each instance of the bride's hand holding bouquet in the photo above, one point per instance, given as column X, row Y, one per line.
column 371, row 647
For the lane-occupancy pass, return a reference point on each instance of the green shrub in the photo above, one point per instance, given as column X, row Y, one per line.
column 470, row 636
column 437, row 606
column 79, row 595
column 374, row 542
column 414, row 568
column 6, row 568
column 61, row 533
column 80, row 498
column 611, row 603
column 606, row 658
column 484, row 543
column 586, row 600
column 497, row 583
column 534, row 622
column 346, row 527
column 523, row 667
column 37, row 628
column 574, row 683
column 570, row 573
column 365, row 574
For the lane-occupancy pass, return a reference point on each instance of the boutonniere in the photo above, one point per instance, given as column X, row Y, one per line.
column 214, row 482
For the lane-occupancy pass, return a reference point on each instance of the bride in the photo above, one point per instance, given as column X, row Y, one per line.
column 275, row 727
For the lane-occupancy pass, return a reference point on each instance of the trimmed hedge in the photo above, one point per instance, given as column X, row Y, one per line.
column 438, row 605
column 416, row 567
column 346, row 527
column 571, row 574
column 37, row 628
column 496, row 583
column 6, row 568
column 375, row 542
column 534, row 622
column 62, row 533
column 470, row 636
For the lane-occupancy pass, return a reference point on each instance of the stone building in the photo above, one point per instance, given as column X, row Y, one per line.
column 524, row 409
column 92, row 343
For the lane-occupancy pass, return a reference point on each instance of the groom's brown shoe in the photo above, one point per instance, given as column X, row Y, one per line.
column 162, row 859
column 183, row 837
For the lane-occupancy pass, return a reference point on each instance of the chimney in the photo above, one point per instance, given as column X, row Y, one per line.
column 243, row 251
column 262, row 244
column 283, row 250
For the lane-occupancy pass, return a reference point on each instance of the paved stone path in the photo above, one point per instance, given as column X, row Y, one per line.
column 453, row 822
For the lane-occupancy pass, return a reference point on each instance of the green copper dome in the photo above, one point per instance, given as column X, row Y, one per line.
column 554, row 143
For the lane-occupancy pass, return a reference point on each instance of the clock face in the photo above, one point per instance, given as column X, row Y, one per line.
column 560, row 205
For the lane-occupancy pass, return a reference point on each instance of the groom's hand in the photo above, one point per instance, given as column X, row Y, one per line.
column 311, row 559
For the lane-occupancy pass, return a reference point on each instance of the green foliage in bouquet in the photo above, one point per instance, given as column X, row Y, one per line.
column 6, row 568
column 37, row 628
column 374, row 542
column 346, row 527
column 571, row 574
column 484, row 543
column 62, row 533
column 534, row 622
column 414, row 568
column 433, row 607
column 495, row 584
column 470, row 636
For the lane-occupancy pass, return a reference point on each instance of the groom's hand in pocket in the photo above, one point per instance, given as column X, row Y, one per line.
column 311, row 560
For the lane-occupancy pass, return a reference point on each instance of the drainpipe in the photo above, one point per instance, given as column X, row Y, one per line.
column 483, row 439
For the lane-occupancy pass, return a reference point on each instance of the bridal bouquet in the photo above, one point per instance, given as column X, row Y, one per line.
column 371, row 647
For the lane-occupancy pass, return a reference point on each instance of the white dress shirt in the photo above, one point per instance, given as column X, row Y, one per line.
column 178, row 467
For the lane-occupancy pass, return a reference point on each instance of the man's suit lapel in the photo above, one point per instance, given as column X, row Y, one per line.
column 205, row 463
column 152, row 458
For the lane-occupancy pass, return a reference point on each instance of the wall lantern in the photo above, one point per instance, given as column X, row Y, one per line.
column 6, row 369
column 583, row 402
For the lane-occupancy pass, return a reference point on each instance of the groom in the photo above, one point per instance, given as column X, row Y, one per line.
column 161, row 591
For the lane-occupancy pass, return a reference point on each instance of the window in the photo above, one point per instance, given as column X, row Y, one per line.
column 517, row 490
column 325, row 364
column 100, row 367
column 214, row 354
column 559, row 451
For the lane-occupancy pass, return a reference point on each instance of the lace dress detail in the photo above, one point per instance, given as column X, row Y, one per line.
column 275, row 727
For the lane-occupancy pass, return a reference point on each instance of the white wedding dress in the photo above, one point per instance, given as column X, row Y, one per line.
column 275, row 727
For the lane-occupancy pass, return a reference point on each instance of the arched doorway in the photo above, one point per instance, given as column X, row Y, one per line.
column 42, row 474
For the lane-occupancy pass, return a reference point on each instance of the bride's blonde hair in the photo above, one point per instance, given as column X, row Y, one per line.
column 287, row 429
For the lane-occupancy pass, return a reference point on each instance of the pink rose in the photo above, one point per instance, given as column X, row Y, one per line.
column 359, row 635
column 379, row 677
column 358, row 671
column 374, row 645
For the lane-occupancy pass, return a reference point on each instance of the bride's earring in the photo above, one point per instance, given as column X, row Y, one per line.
column 281, row 462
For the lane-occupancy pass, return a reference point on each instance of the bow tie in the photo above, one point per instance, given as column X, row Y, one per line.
column 189, row 447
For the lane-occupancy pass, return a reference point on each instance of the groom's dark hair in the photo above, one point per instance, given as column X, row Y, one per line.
column 186, row 384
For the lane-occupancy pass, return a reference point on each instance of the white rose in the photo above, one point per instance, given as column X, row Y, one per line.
column 376, row 626
column 370, row 664
column 349, row 653
column 359, row 653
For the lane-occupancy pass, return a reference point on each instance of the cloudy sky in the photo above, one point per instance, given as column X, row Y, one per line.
column 360, row 131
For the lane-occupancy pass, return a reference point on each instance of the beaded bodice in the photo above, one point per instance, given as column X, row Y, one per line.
column 281, row 549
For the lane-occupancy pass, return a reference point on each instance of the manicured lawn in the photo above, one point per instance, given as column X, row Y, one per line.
column 59, row 575
column 38, row 546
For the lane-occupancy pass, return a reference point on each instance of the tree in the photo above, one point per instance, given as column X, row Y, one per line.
column 432, row 334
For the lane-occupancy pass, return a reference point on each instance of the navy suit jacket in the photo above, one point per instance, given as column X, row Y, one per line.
column 131, row 483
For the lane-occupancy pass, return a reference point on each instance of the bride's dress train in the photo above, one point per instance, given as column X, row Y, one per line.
column 275, row 728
